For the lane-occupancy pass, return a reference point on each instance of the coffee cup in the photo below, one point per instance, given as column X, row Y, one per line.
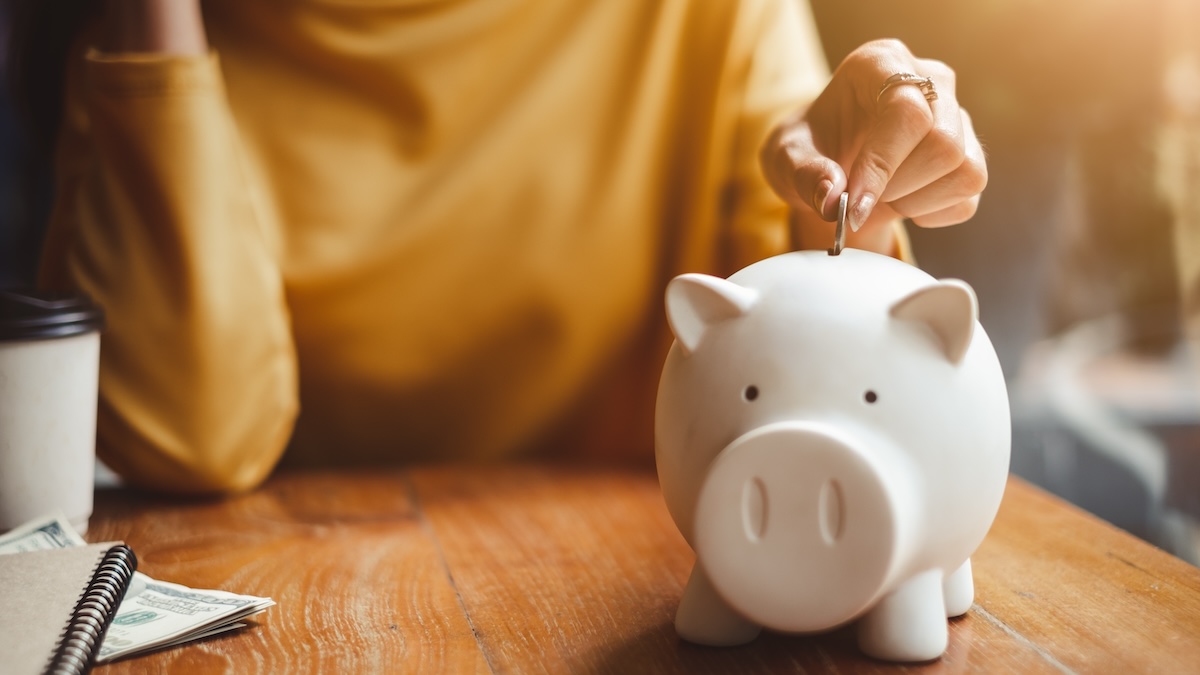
column 49, row 372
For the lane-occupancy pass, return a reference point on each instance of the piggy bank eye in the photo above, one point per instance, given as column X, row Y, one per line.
column 751, row 393
column 870, row 396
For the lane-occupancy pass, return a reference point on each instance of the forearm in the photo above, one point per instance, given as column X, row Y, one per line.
column 155, row 217
column 168, row 27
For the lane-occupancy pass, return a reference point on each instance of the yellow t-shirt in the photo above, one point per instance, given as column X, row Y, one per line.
column 432, row 229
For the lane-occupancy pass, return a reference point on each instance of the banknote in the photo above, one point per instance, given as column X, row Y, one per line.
column 41, row 534
column 154, row 614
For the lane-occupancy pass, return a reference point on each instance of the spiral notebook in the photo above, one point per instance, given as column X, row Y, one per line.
column 57, row 605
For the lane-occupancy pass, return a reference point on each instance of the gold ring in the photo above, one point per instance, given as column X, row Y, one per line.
column 924, row 83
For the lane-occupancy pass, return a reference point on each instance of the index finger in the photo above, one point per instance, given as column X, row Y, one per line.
column 903, row 119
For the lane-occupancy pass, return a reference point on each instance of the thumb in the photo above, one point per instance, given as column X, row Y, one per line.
column 800, row 174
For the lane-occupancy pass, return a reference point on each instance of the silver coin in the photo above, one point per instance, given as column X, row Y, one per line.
column 839, row 234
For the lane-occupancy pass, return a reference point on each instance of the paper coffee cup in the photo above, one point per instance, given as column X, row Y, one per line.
column 49, row 370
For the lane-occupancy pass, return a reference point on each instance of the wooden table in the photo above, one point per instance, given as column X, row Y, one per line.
column 527, row 569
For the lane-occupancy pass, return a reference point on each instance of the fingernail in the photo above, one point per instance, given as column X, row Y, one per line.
column 861, row 210
column 819, row 196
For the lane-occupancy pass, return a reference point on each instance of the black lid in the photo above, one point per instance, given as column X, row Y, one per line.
column 28, row 314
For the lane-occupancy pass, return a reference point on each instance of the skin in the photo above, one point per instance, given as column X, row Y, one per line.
column 897, row 155
column 170, row 27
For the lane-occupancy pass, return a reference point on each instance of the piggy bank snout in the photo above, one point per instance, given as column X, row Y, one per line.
column 797, row 527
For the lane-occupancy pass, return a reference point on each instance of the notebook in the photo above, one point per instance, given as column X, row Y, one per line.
column 57, row 604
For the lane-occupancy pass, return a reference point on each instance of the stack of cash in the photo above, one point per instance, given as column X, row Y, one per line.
column 154, row 614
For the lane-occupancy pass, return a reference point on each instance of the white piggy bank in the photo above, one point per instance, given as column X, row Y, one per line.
column 832, row 438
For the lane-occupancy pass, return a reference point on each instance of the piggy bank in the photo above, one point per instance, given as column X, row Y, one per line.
column 832, row 438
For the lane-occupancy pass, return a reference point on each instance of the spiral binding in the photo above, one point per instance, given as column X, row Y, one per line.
column 85, row 631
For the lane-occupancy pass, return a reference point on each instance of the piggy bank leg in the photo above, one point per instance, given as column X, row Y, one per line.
column 704, row 618
column 959, row 590
column 909, row 624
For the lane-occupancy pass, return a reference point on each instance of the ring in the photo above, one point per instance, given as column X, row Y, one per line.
column 924, row 83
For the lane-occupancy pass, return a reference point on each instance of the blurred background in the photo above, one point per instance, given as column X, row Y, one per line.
column 1085, row 249
column 25, row 186
column 1085, row 252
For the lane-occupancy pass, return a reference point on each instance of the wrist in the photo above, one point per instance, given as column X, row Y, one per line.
column 171, row 27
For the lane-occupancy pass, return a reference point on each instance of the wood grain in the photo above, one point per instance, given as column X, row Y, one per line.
column 1089, row 595
column 555, row 569
column 358, row 582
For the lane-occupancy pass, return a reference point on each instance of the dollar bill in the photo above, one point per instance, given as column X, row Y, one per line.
column 153, row 614
column 41, row 534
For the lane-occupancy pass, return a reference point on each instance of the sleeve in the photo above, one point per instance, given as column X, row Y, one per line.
column 783, row 72
column 155, row 218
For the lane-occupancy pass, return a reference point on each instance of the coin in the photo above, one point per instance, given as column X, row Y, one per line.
column 839, row 234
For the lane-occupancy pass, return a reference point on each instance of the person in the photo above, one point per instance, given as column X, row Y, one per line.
column 410, row 231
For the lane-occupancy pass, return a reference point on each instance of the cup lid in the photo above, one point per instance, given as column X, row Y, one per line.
column 28, row 314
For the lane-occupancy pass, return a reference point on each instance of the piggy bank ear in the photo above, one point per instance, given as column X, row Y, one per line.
column 949, row 309
column 697, row 302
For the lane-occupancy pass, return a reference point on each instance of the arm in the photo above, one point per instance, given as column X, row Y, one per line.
column 156, row 218
column 785, row 73
column 164, row 27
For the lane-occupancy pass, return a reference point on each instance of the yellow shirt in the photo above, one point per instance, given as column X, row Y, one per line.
column 405, row 230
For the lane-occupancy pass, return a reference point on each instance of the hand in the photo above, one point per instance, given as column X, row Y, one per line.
column 897, row 154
